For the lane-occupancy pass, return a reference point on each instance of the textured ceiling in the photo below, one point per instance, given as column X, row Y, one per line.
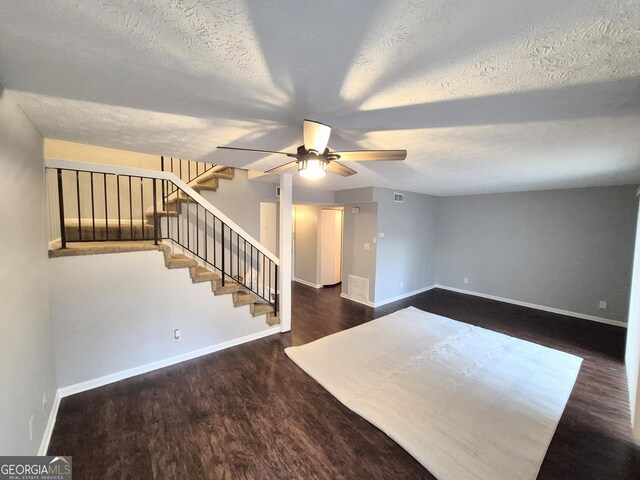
column 499, row 95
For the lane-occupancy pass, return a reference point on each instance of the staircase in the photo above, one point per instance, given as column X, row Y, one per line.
column 170, row 217
column 200, row 274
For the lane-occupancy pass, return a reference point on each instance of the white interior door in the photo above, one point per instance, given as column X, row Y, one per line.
column 269, row 226
column 330, row 246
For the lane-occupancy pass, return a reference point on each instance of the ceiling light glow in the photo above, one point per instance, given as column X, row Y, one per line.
column 312, row 168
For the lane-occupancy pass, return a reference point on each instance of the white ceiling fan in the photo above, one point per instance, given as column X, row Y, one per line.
column 314, row 159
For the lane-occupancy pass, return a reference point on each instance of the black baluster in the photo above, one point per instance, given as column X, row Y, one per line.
column 106, row 210
column 269, row 289
column 119, row 215
column 79, row 212
column 93, row 216
column 143, row 230
column 215, row 263
column 163, row 190
column 197, row 229
column 131, row 236
column 205, row 237
column 222, row 223
column 187, row 226
column 178, row 217
column 155, row 215
column 276, row 292
column 63, row 233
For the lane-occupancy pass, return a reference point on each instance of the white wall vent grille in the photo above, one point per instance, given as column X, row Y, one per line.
column 358, row 288
column 398, row 197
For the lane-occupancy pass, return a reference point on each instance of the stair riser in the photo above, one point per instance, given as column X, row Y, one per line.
column 218, row 289
column 174, row 265
column 202, row 279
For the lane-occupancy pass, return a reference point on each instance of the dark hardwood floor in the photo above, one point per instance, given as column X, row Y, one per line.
column 249, row 412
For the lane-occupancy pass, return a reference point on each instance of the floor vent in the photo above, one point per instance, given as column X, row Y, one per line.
column 358, row 288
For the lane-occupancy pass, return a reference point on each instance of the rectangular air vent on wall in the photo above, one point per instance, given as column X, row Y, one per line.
column 398, row 197
column 358, row 288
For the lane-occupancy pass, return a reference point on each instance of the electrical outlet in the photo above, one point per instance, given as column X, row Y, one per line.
column 31, row 428
column 602, row 305
column 466, row 280
column 44, row 401
column 177, row 335
column 367, row 246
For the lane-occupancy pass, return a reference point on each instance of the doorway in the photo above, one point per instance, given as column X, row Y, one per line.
column 330, row 246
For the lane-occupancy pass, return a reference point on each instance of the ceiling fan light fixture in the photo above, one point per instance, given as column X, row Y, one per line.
column 312, row 168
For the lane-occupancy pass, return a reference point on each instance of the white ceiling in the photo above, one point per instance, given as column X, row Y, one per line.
column 499, row 95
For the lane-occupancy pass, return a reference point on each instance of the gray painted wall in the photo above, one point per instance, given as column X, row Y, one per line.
column 565, row 249
column 115, row 312
column 359, row 228
column 405, row 259
column 307, row 243
column 26, row 356
column 240, row 198
column 354, row 195
column 313, row 195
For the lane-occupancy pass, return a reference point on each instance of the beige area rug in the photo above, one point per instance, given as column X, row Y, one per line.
column 466, row 402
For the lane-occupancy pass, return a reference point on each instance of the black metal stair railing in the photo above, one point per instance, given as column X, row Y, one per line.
column 129, row 207
column 185, row 170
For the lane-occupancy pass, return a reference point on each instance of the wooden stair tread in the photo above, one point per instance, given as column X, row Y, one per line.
column 226, row 173
column 179, row 260
column 209, row 186
column 242, row 297
column 260, row 309
column 229, row 287
column 272, row 319
column 201, row 274
column 101, row 248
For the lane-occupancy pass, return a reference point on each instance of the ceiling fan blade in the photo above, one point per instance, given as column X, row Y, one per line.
column 340, row 169
column 364, row 155
column 316, row 135
column 259, row 151
column 282, row 167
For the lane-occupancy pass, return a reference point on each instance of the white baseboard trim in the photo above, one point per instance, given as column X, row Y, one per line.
column 388, row 300
column 357, row 300
column 559, row 311
column 403, row 296
column 132, row 372
column 46, row 437
column 308, row 284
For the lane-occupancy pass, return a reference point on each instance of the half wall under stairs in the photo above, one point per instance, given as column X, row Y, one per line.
column 198, row 273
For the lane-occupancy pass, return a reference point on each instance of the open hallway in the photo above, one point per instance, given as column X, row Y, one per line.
column 249, row 412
